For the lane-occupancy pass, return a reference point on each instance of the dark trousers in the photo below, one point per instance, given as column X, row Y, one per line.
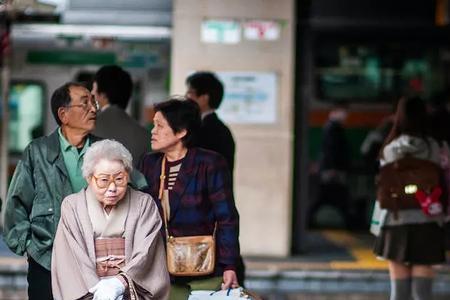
column 39, row 281
column 334, row 194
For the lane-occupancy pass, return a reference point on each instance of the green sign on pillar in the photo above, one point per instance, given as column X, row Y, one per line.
column 221, row 31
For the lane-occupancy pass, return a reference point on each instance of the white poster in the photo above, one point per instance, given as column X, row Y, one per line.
column 250, row 97
column 262, row 30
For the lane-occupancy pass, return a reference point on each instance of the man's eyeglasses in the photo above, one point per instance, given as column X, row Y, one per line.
column 104, row 180
column 85, row 105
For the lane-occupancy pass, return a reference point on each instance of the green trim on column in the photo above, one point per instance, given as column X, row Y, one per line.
column 67, row 57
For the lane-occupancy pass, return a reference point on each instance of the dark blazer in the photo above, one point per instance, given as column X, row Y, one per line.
column 335, row 148
column 201, row 196
column 115, row 123
column 214, row 135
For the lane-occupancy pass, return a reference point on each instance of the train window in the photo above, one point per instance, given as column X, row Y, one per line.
column 26, row 113
column 374, row 73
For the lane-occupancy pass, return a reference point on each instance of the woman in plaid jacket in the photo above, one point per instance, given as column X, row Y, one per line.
column 197, row 184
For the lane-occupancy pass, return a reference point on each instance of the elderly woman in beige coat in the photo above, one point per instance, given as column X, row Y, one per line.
column 108, row 244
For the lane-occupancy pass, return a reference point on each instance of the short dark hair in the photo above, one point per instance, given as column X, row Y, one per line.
column 181, row 113
column 61, row 98
column 207, row 83
column 86, row 78
column 115, row 83
column 410, row 118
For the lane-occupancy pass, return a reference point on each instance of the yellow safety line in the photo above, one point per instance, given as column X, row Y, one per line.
column 364, row 257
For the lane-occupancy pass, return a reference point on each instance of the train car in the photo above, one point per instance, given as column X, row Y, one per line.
column 72, row 45
column 365, row 59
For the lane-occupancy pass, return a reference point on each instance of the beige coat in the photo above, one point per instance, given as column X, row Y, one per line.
column 73, row 259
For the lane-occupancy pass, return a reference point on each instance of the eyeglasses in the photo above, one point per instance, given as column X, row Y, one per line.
column 104, row 180
column 85, row 105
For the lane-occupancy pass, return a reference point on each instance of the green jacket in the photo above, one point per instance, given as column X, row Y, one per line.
column 33, row 204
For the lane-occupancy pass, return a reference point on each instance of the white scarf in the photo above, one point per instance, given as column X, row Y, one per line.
column 104, row 225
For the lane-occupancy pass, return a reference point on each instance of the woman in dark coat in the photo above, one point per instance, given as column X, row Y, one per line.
column 197, row 186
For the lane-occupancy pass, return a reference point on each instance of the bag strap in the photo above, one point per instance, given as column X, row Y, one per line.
column 162, row 178
column 131, row 286
column 397, row 182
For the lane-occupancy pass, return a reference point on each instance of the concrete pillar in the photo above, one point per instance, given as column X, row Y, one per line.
column 264, row 163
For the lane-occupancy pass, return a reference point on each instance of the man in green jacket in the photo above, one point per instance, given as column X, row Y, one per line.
column 48, row 172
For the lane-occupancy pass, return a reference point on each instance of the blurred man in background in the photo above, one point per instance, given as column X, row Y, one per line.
column 112, row 88
column 334, row 165
column 206, row 89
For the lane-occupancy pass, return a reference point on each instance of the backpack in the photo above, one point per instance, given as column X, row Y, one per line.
column 411, row 183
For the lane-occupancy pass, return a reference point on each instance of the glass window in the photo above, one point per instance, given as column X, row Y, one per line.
column 375, row 73
column 26, row 114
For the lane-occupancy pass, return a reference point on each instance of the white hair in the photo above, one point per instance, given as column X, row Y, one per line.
column 110, row 150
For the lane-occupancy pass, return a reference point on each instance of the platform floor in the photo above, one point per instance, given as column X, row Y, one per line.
column 337, row 264
column 327, row 250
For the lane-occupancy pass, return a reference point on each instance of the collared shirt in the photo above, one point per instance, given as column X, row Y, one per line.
column 206, row 113
column 104, row 107
column 73, row 159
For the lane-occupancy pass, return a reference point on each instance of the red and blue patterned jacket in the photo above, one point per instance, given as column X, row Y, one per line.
column 201, row 196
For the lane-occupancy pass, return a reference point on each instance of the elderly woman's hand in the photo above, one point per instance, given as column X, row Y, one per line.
column 229, row 280
column 108, row 289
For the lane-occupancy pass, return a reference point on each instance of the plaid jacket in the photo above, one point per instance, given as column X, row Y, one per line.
column 200, row 197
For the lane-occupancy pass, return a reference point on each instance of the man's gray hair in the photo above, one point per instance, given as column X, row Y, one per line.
column 109, row 150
